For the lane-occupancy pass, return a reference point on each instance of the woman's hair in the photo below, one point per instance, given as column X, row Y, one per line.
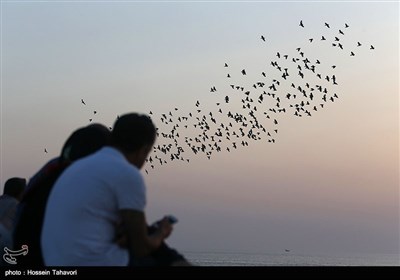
column 85, row 141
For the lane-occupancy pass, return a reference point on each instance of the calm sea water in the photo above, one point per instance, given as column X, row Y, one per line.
column 290, row 259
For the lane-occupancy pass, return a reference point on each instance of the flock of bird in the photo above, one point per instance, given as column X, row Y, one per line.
column 295, row 84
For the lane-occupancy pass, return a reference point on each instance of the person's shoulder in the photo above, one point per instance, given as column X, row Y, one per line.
column 88, row 162
column 119, row 160
column 48, row 172
column 133, row 173
column 105, row 155
column 129, row 175
column 44, row 170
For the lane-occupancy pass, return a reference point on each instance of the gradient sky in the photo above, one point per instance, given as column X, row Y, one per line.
column 330, row 183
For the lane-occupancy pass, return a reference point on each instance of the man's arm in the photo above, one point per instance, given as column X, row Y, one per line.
column 140, row 244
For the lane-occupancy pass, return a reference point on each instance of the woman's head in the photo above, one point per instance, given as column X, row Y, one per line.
column 85, row 141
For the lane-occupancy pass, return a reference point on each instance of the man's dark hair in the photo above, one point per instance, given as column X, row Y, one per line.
column 133, row 131
column 85, row 141
column 14, row 187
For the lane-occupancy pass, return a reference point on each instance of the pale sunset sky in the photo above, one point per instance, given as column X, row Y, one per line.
column 330, row 182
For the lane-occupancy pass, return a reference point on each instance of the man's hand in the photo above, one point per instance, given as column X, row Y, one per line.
column 164, row 228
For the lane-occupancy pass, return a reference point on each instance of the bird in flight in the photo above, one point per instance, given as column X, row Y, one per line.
column 83, row 102
column 346, row 25
column 245, row 123
column 45, row 150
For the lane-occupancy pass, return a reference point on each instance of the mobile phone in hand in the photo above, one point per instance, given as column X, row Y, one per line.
column 172, row 219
